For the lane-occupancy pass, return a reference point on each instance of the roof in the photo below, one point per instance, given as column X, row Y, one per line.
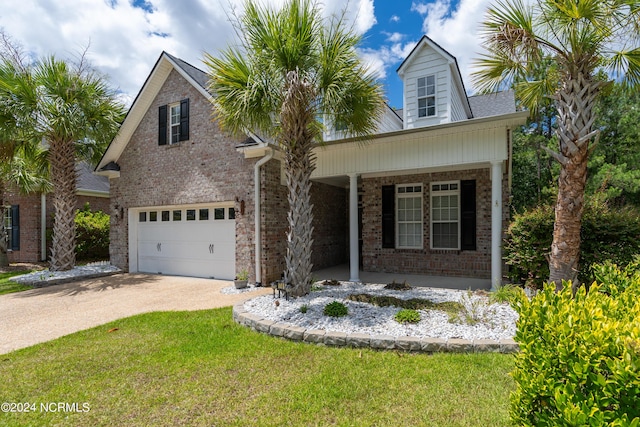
column 196, row 74
column 493, row 104
column 87, row 181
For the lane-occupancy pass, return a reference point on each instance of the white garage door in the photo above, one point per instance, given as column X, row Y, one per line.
column 198, row 242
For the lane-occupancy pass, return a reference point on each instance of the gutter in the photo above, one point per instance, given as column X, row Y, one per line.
column 257, row 216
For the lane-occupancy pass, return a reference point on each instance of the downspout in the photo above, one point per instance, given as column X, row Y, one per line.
column 258, row 208
column 43, row 227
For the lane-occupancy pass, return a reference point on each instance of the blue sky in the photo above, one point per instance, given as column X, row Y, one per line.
column 125, row 37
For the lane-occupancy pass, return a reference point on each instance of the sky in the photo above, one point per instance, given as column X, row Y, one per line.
column 125, row 37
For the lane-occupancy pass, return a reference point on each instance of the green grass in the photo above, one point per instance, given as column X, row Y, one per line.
column 201, row 369
column 9, row 286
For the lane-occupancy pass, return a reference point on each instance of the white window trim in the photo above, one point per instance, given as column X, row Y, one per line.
column 172, row 124
column 8, row 226
column 426, row 96
column 443, row 193
column 397, row 206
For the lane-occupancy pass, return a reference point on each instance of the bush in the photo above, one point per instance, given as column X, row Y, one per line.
column 335, row 309
column 607, row 234
column 579, row 362
column 407, row 316
column 92, row 235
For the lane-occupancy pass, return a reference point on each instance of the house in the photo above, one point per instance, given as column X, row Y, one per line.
column 28, row 218
column 426, row 195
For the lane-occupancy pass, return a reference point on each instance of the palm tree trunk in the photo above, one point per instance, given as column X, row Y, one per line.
column 298, row 140
column 4, row 258
column 575, row 103
column 63, row 178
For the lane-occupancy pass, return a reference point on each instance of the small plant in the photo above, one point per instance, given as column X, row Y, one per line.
column 404, row 286
column 304, row 309
column 335, row 309
column 332, row 282
column 242, row 275
column 506, row 294
column 407, row 316
column 473, row 311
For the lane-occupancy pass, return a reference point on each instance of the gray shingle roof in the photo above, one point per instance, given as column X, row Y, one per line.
column 493, row 104
column 88, row 181
column 196, row 74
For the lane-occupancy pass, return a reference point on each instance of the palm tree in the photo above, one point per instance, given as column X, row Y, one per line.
column 583, row 37
column 293, row 71
column 71, row 111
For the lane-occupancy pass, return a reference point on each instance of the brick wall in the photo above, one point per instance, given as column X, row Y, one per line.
column 426, row 261
column 205, row 169
column 330, row 227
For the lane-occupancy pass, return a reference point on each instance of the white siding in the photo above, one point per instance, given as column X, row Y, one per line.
column 457, row 104
column 426, row 62
column 454, row 146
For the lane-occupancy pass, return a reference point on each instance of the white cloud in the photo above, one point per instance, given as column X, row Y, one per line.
column 125, row 41
column 394, row 18
column 461, row 27
column 394, row 37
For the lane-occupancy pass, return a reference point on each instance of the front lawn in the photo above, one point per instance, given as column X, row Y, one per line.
column 9, row 286
column 200, row 368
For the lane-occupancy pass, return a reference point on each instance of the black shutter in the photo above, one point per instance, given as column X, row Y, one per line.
column 184, row 119
column 388, row 216
column 162, row 125
column 15, row 228
column 468, row 214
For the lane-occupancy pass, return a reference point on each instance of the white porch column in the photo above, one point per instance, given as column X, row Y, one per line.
column 496, row 224
column 354, row 256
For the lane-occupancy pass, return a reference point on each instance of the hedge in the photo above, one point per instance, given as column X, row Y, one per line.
column 92, row 235
column 607, row 234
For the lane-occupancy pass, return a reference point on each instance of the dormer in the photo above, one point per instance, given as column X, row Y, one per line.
column 433, row 91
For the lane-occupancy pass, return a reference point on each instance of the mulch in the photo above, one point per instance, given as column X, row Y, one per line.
column 24, row 266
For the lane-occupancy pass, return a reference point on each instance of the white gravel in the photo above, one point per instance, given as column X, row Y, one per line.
column 493, row 321
column 76, row 272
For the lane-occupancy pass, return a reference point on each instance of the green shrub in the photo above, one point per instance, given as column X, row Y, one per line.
column 92, row 234
column 505, row 294
column 579, row 362
column 608, row 273
column 335, row 309
column 407, row 316
column 404, row 286
column 304, row 308
column 607, row 234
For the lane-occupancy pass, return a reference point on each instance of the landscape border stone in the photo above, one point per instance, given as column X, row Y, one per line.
column 360, row 340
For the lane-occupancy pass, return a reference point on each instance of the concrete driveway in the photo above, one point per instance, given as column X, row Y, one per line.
column 39, row 315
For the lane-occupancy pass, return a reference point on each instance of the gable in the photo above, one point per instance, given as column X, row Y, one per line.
column 428, row 62
column 164, row 66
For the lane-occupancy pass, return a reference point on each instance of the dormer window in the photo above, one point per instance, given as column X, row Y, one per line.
column 427, row 96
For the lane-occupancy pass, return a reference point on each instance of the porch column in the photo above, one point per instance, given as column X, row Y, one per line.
column 354, row 256
column 496, row 224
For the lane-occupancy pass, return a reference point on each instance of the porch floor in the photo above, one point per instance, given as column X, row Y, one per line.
column 341, row 272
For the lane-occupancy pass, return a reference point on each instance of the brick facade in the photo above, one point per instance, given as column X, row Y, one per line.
column 330, row 230
column 427, row 261
column 204, row 169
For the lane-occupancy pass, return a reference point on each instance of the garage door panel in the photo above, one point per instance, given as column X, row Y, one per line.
column 200, row 248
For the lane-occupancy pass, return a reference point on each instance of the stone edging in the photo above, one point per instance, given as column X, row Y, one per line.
column 380, row 342
column 36, row 284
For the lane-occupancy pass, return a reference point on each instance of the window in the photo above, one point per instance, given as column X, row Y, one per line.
column 142, row 217
column 173, row 120
column 218, row 213
column 427, row 96
column 153, row 216
column 191, row 214
column 165, row 216
column 12, row 227
column 175, row 124
column 445, row 217
column 232, row 213
column 204, row 214
column 177, row 215
column 409, row 216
